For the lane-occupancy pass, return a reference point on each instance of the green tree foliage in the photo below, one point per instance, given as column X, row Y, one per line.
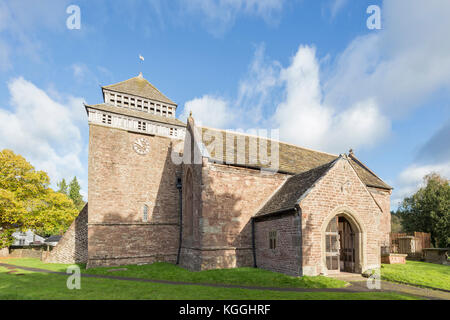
column 396, row 223
column 63, row 187
column 428, row 210
column 27, row 202
column 74, row 194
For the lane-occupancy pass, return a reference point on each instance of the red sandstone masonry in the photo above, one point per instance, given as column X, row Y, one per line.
column 383, row 198
column 73, row 246
column 286, row 257
column 230, row 197
column 300, row 244
column 121, row 182
column 339, row 190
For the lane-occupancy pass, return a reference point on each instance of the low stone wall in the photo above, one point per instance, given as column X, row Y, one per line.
column 436, row 255
column 33, row 252
column 4, row 252
column 393, row 258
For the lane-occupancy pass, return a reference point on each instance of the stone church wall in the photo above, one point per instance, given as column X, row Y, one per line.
column 121, row 183
column 73, row 246
column 230, row 197
column 286, row 256
column 383, row 197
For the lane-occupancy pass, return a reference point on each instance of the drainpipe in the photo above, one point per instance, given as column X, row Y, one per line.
column 180, row 191
column 253, row 244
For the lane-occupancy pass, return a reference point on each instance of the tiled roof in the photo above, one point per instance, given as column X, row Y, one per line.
column 366, row 175
column 53, row 238
column 137, row 114
column 139, row 86
column 292, row 159
column 290, row 192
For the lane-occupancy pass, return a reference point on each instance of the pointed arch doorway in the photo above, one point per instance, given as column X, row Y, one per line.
column 340, row 245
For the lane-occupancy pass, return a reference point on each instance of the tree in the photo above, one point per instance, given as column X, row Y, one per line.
column 396, row 223
column 56, row 215
column 428, row 210
column 63, row 187
column 27, row 202
column 74, row 194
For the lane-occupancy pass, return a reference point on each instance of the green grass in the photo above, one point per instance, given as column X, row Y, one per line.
column 166, row 271
column 418, row 273
column 37, row 286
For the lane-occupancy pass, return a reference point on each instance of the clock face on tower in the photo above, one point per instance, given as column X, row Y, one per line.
column 141, row 146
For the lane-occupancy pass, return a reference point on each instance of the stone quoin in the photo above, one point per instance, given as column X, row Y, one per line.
column 164, row 190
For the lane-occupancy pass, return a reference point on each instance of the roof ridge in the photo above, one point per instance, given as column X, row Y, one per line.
column 282, row 142
column 318, row 167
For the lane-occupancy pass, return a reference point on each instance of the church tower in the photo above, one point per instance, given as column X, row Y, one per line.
column 133, row 198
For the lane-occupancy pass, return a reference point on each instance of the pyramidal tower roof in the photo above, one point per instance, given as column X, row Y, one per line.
column 141, row 87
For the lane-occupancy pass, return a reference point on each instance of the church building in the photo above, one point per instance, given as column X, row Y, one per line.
column 164, row 190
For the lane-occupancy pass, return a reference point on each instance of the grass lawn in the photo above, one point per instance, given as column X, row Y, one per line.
column 33, row 285
column 166, row 271
column 418, row 273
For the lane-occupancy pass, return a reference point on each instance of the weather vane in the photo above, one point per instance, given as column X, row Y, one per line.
column 142, row 59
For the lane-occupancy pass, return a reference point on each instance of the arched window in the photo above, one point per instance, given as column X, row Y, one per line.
column 189, row 204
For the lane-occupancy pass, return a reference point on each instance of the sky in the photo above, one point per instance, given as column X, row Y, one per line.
column 312, row 69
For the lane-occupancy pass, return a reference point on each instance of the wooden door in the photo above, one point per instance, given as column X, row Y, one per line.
column 347, row 252
column 332, row 246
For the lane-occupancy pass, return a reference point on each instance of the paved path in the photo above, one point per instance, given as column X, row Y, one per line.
column 355, row 286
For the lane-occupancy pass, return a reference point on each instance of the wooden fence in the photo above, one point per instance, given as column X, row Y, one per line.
column 410, row 243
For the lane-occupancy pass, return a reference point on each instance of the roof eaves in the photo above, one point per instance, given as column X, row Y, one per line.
column 275, row 213
column 178, row 123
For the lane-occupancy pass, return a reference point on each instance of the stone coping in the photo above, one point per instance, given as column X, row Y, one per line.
column 394, row 255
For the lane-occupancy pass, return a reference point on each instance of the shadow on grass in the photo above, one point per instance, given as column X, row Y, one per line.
column 36, row 286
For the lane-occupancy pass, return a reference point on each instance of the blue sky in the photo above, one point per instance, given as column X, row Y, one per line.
column 310, row 68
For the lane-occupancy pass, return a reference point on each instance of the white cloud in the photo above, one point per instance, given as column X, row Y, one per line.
column 336, row 6
column 221, row 14
column 411, row 179
column 20, row 20
column 256, row 90
column 401, row 65
column 209, row 111
column 44, row 131
column 305, row 120
column 433, row 156
column 299, row 111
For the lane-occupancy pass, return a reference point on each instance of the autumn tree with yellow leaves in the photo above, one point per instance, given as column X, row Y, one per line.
column 27, row 202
